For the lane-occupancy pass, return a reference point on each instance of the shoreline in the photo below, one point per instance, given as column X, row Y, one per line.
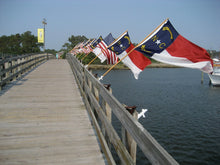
column 122, row 66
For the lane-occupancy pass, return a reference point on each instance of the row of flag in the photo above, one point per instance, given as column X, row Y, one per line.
column 164, row 44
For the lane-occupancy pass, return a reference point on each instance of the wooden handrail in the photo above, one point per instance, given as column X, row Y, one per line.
column 94, row 93
column 13, row 67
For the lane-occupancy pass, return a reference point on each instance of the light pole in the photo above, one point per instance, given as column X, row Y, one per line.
column 44, row 23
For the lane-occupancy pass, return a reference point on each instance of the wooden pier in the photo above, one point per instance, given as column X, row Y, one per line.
column 43, row 120
column 48, row 116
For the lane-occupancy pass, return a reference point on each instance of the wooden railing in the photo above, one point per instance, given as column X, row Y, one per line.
column 12, row 68
column 100, row 104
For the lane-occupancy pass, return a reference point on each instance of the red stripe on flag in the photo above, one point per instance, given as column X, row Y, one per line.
column 138, row 58
column 182, row 47
column 111, row 57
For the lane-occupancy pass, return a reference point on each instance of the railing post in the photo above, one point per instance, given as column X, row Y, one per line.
column 96, row 92
column 13, row 63
column 1, row 76
column 23, row 65
column 127, row 139
column 107, row 107
column 28, row 63
column 108, row 112
column 19, row 67
column 32, row 62
column 7, row 74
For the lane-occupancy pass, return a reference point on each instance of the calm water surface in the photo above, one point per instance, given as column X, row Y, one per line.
column 183, row 114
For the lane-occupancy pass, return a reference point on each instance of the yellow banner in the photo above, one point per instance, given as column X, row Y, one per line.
column 40, row 34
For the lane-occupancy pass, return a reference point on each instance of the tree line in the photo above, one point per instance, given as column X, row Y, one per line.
column 72, row 42
column 18, row 44
column 26, row 42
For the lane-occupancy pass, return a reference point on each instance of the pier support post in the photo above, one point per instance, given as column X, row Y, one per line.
column 13, row 63
column 1, row 76
column 107, row 107
column 7, row 74
column 127, row 139
column 108, row 113
column 19, row 67
column 96, row 91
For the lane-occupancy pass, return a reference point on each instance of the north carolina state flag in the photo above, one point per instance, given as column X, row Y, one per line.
column 168, row 46
column 135, row 60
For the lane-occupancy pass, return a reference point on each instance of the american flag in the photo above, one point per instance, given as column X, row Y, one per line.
column 110, row 55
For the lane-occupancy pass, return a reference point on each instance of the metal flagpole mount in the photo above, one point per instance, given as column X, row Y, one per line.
column 101, row 78
column 142, row 113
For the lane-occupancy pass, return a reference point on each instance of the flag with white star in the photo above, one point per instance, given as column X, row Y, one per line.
column 168, row 46
column 159, row 40
column 133, row 59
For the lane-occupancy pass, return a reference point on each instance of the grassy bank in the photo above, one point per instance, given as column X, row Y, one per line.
column 122, row 66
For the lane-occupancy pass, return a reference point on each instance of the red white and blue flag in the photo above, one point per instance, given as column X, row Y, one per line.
column 96, row 46
column 135, row 60
column 168, row 46
column 111, row 56
column 87, row 48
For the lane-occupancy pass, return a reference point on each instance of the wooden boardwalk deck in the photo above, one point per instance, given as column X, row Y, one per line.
column 43, row 120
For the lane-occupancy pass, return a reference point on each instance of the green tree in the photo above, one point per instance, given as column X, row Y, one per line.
column 67, row 46
column 52, row 51
column 4, row 40
column 15, row 44
column 29, row 43
column 19, row 44
column 74, row 40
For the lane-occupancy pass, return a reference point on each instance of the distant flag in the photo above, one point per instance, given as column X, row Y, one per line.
column 95, row 43
column 97, row 50
column 87, row 48
column 81, row 49
column 168, row 46
column 84, row 47
column 75, row 50
column 135, row 60
column 110, row 55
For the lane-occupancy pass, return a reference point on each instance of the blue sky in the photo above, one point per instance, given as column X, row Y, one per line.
column 196, row 20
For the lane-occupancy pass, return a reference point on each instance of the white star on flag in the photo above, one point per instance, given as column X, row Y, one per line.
column 158, row 42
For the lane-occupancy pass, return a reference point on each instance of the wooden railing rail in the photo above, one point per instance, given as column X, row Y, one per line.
column 99, row 101
column 13, row 67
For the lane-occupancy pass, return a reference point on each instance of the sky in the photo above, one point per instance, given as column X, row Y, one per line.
column 196, row 20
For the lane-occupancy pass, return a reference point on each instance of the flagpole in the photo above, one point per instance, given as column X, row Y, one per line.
column 85, row 56
column 87, row 53
column 80, row 55
column 93, row 59
column 117, row 38
column 131, row 51
column 115, row 64
column 83, row 46
column 106, row 48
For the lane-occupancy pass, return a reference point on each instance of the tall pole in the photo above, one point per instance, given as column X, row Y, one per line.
column 44, row 23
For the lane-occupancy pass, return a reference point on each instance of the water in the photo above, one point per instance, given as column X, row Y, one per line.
column 183, row 114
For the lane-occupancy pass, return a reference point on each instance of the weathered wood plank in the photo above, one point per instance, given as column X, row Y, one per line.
column 44, row 121
column 150, row 147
